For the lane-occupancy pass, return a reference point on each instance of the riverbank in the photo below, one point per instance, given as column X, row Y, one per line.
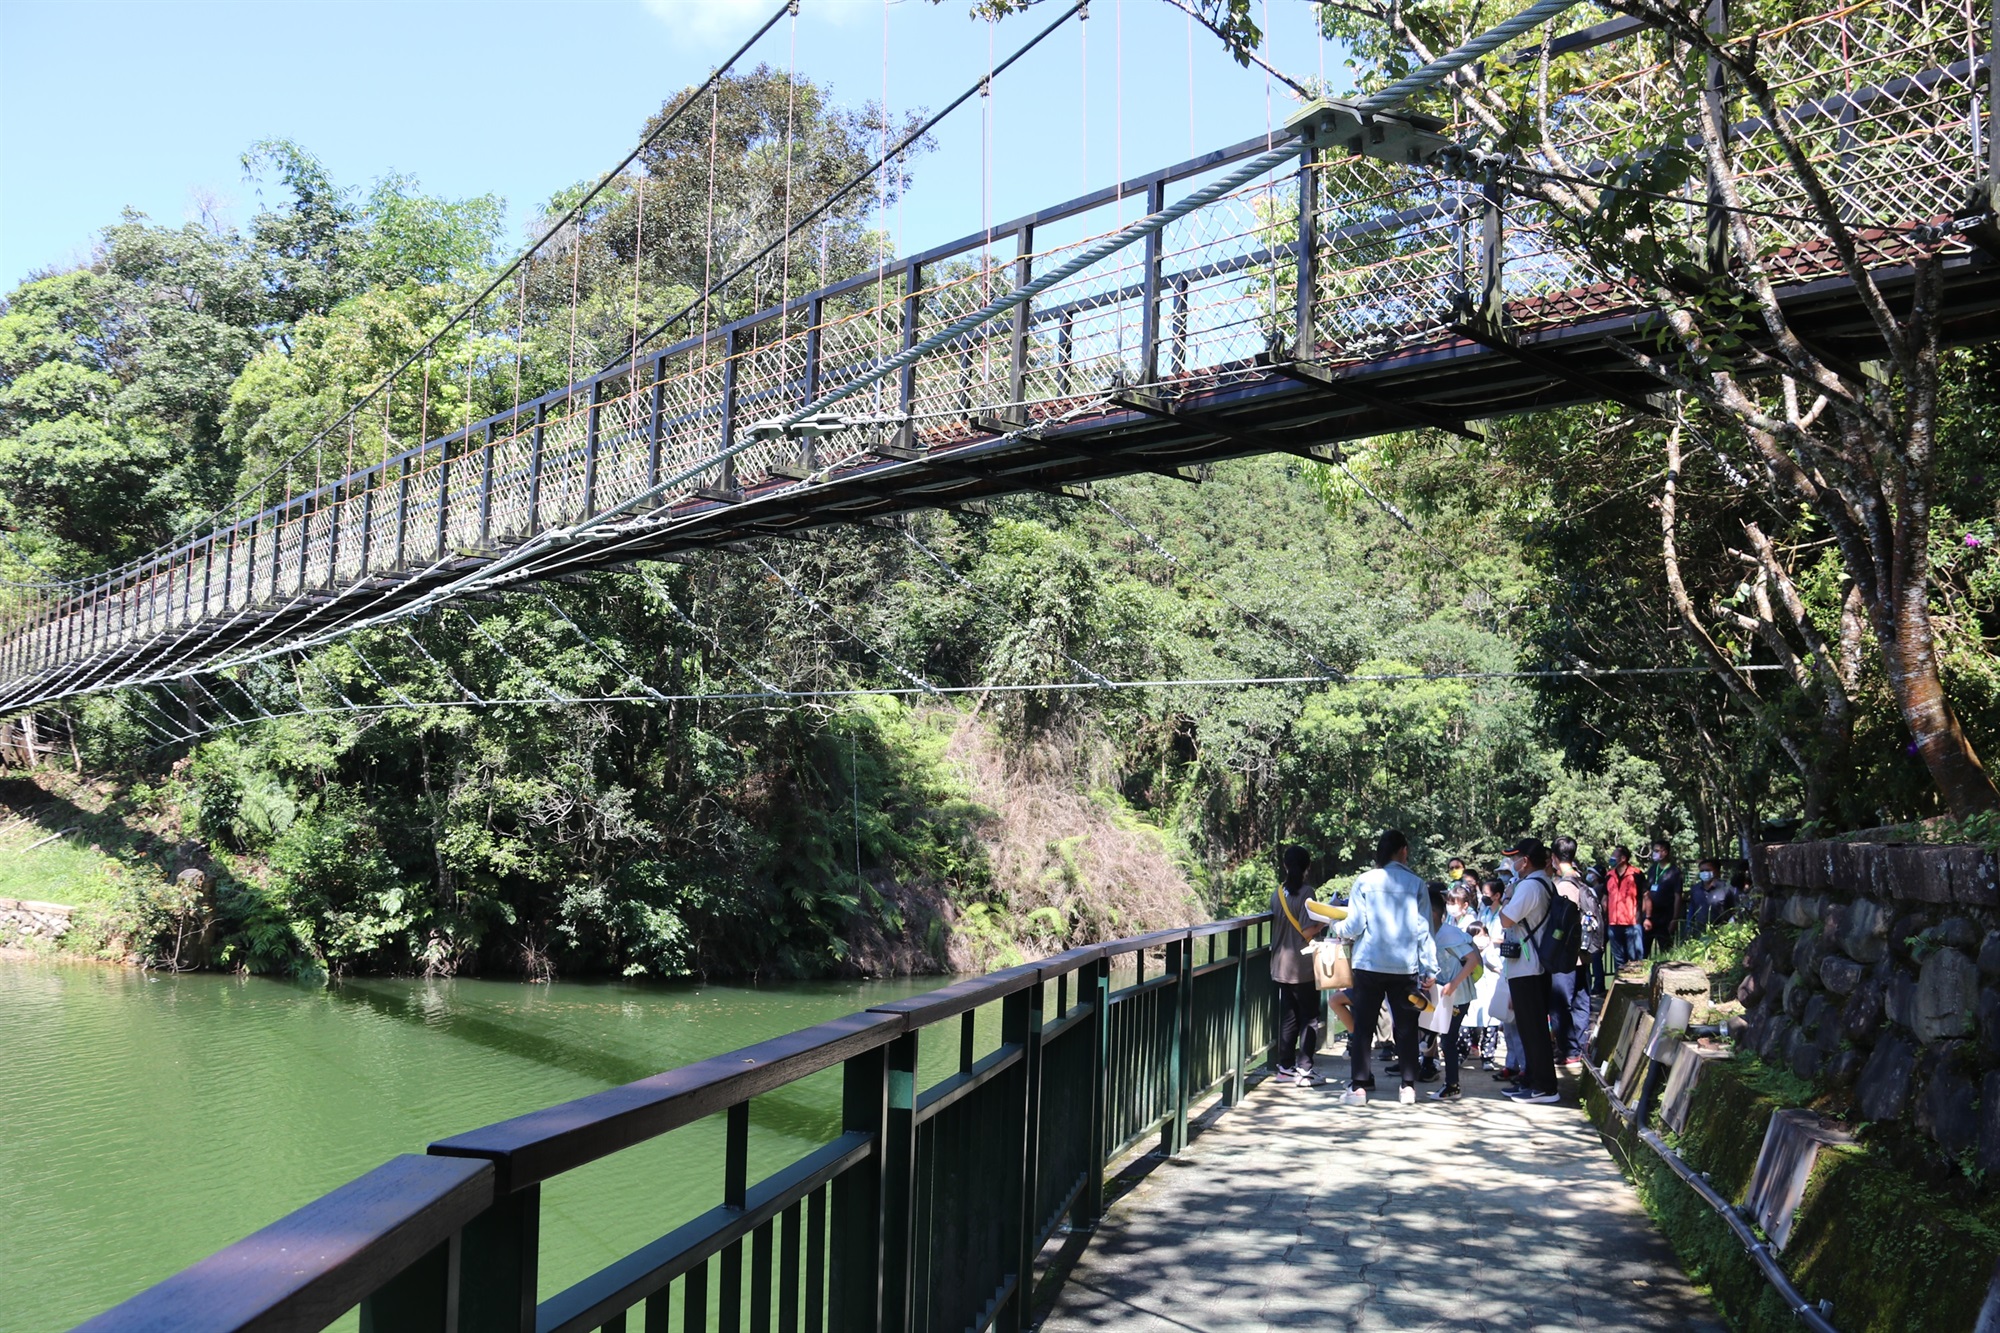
column 975, row 856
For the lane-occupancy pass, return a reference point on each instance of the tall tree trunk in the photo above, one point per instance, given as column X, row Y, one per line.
column 1910, row 653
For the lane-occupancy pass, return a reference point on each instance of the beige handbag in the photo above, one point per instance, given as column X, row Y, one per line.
column 1332, row 969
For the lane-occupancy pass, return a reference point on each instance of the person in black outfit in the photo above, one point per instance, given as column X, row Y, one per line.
column 1661, row 909
column 1299, row 1021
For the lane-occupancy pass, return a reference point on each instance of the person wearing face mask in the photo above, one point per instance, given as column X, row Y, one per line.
column 1663, row 899
column 1527, row 981
column 1711, row 898
column 1622, row 889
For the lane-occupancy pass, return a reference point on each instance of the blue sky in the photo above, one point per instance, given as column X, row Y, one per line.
column 151, row 105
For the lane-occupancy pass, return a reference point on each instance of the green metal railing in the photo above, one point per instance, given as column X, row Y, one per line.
column 923, row 1214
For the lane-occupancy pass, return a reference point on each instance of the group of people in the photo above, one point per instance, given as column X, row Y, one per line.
column 1515, row 958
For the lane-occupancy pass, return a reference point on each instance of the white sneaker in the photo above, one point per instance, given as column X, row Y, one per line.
column 1305, row 1078
column 1408, row 1095
column 1541, row 1099
column 1354, row 1097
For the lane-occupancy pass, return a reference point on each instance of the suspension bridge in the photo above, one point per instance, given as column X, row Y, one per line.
column 1355, row 274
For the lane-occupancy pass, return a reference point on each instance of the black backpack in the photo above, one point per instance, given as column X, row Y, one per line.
column 1559, row 934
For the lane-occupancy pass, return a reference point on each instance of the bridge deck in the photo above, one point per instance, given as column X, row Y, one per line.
column 1293, row 1211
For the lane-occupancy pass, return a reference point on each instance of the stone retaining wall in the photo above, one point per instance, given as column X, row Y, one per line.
column 22, row 921
column 1877, row 974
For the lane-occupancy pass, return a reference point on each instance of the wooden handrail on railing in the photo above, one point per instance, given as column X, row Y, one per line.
column 922, row 1215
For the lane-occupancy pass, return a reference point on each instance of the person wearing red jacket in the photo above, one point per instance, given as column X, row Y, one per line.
column 1622, row 886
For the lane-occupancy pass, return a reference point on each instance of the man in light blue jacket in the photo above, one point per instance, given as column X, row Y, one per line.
column 1388, row 917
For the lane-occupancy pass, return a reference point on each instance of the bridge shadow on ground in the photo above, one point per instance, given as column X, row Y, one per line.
column 1295, row 1212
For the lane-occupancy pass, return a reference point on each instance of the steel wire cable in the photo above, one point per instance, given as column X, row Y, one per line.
column 863, row 692
column 466, row 311
column 853, row 183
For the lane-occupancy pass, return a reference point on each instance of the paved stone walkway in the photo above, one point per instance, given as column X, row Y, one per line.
column 1294, row 1212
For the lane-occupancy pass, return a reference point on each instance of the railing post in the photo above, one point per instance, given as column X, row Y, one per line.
column 1091, row 1202
column 423, row 1298
column 1021, row 1022
column 1149, row 319
column 735, row 1192
column 497, row 1265
column 535, row 470
column 725, row 483
column 1180, row 325
column 1180, row 1046
column 1017, row 366
column 305, row 539
column 656, row 422
column 370, row 479
column 855, row 1257
column 340, row 499
column 1716, row 231
column 1065, row 337
column 277, row 561
column 815, row 317
column 486, row 491
column 906, row 381
column 899, row 1186
column 1304, row 340
column 402, row 511
column 1239, row 949
column 1491, row 302
column 444, row 497
column 595, row 415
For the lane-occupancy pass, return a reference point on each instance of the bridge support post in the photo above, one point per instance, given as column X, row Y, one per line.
column 1149, row 317
column 444, row 498
column 498, row 1252
column 402, row 514
column 596, row 414
column 423, row 1298
column 655, row 422
column 486, row 490
column 725, row 482
column 1239, row 949
column 1021, row 1022
column 1180, row 1068
column 1489, row 303
column 1305, row 343
column 1715, row 238
column 1017, row 363
column 1090, row 1204
column 815, row 318
column 906, row 381
column 534, row 516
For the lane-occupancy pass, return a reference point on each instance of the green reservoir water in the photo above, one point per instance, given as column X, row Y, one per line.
column 148, row 1120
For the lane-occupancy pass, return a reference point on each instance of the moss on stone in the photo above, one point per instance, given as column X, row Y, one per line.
column 1725, row 1126
column 1893, row 1255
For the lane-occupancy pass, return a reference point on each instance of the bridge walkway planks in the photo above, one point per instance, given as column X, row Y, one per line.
column 1294, row 1212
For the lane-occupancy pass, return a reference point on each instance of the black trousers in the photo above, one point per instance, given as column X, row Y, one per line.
column 1370, row 989
column 1299, row 1026
column 1451, row 1055
column 1531, row 1020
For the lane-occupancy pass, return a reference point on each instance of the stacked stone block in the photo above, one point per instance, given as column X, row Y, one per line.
column 1877, row 974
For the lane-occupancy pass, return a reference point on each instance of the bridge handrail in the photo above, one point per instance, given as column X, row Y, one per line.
column 311, row 1266
column 454, row 1233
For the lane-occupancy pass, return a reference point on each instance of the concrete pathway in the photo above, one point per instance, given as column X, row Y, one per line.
column 1294, row 1212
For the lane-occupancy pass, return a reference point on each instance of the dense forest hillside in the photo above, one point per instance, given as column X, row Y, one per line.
column 403, row 821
